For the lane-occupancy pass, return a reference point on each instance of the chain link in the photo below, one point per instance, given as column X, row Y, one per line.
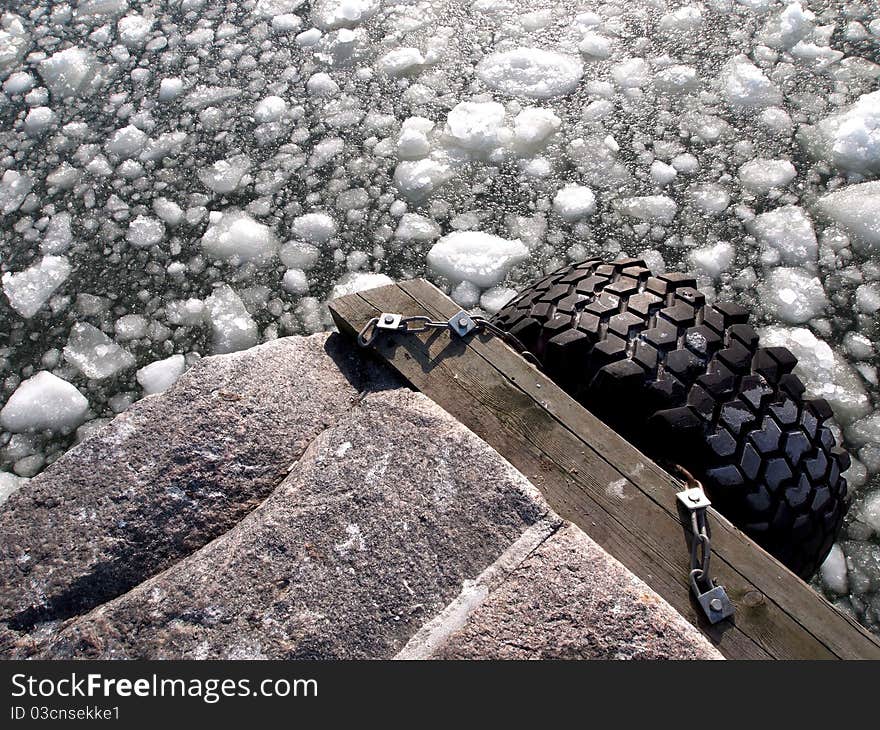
column 712, row 598
column 460, row 324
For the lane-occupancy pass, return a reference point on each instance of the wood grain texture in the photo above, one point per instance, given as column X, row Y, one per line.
column 603, row 484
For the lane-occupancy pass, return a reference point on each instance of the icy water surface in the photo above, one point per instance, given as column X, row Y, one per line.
column 187, row 177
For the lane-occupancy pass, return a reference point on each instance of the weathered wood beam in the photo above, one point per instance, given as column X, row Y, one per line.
column 596, row 479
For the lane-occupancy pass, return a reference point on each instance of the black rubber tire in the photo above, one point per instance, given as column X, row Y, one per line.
column 689, row 384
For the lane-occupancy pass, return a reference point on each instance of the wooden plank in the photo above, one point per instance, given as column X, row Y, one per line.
column 603, row 484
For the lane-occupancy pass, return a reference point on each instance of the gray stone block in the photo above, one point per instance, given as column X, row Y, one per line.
column 170, row 474
column 385, row 516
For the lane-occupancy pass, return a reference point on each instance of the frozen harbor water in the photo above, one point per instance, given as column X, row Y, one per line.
column 185, row 177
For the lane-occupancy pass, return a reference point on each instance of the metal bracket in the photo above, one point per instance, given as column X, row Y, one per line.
column 715, row 604
column 389, row 321
column 462, row 323
column 693, row 498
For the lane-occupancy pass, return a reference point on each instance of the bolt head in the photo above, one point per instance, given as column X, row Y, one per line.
column 462, row 322
column 388, row 319
column 694, row 495
column 716, row 605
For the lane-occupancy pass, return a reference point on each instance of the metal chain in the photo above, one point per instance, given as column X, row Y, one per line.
column 460, row 324
column 712, row 598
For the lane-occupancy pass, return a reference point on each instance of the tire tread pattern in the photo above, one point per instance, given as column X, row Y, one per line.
column 688, row 382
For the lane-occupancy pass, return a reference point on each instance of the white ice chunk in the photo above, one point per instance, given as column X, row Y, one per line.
column 286, row 22
column 10, row 484
column 686, row 163
column 687, row 18
column 418, row 179
column 856, row 208
column 161, row 374
column 709, row 198
column 531, row 72
column 776, row 120
column 760, row 176
column 38, row 120
column 745, row 85
column 822, row 55
column 401, row 61
column 825, row 373
column 168, row 211
column 232, row 327
column 134, row 29
column 788, row 27
column 650, row 208
column 236, row 237
column 98, row 8
column 533, row 126
column 595, row 45
column 325, row 151
column 314, row 227
column 28, row 290
column 662, row 174
column 868, row 298
column 127, row 142
column 58, row 235
column 858, row 346
column 477, row 257
column 44, row 402
column 299, row 255
column 793, row 295
column 322, row 84
column 677, row 79
column 631, row 73
column 131, row 327
column 870, row 513
column 412, row 142
column 295, row 281
column 495, row 298
column 19, row 82
column 170, row 88
column 787, row 236
column 167, row 144
column 185, row 312
column 415, row 227
column 466, row 295
column 145, row 231
column 475, row 126
column 849, row 139
column 356, row 281
column 833, row 572
column 14, row 44
column 94, row 354
column 331, row 14
column 70, row 72
column 714, row 259
column 270, row 109
column 14, row 188
column 225, row 176
column 574, row 202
